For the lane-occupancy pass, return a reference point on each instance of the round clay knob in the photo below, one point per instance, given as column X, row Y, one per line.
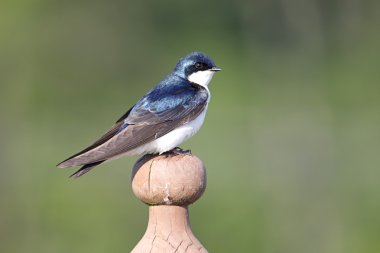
column 169, row 179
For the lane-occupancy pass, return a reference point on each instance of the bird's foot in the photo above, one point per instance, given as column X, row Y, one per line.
column 177, row 151
column 180, row 151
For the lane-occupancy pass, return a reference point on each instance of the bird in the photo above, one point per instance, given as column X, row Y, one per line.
column 166, row 116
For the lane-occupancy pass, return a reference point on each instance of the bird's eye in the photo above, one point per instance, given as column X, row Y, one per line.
column 198, row 65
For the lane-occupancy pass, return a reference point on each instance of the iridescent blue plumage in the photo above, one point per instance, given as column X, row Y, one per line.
column 167, row 115
column 185, row 65
column 171, row 98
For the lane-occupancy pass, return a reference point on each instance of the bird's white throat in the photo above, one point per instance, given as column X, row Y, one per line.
column 202, row 78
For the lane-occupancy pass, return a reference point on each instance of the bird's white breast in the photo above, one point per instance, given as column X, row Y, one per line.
column 171, row 139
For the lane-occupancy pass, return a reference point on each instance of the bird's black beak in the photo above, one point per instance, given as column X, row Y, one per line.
column 215, row 69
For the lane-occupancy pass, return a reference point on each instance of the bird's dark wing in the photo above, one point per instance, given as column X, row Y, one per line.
column 105, row 137
column 157, row 113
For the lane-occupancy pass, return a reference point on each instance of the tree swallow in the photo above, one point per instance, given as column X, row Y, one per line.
column 166, row 116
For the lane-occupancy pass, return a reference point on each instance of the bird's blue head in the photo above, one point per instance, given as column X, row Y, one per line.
column 197, row 68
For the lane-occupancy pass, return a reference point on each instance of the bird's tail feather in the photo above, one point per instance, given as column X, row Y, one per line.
column 86, row 168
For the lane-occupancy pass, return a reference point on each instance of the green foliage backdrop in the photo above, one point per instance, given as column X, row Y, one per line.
column 291, row 140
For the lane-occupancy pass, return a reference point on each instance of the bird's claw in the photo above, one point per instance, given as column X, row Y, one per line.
column 177, row 151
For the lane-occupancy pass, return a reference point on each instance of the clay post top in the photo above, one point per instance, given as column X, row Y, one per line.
column 169, row 183
column 169, row 179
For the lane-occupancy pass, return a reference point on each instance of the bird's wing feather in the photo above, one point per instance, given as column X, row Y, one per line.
column 105, row 137
column 156, row 114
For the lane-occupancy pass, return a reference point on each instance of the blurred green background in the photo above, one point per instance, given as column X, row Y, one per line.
column 291, row 140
